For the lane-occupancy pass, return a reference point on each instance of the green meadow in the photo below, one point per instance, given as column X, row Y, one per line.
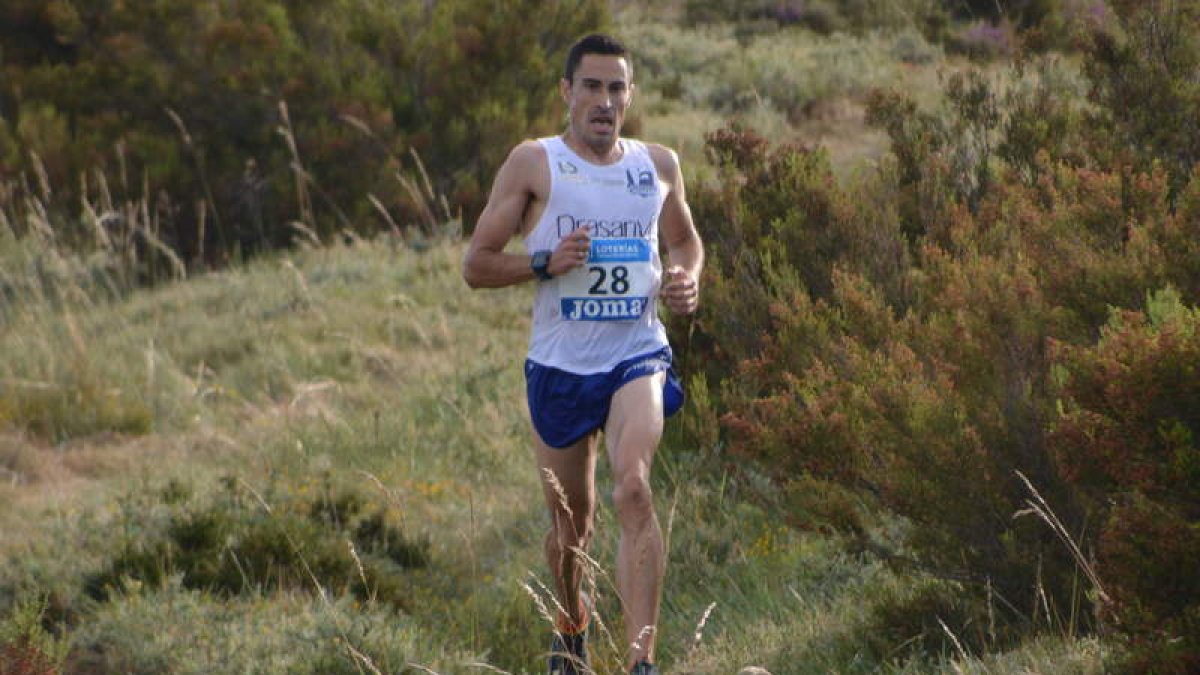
column 319, row 462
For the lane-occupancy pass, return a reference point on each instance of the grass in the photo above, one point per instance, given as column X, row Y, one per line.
column 368, row 370
column 790, row 84
column 339, row 365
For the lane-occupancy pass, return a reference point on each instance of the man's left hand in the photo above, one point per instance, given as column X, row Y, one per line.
column 680, row 290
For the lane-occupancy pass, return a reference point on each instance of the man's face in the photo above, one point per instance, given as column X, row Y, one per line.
column 597, row 99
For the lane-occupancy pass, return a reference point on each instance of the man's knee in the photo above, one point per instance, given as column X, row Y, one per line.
column 633, row 499
column 569, row 533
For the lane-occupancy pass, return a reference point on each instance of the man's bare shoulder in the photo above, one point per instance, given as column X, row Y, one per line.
column 665, row 159
column 527, row 154
column 525, row 169
column 660, row 150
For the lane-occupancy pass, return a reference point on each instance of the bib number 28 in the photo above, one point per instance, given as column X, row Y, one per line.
column 617, row 280
column 614, row 286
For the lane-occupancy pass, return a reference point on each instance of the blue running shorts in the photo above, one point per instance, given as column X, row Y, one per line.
column 566, row 407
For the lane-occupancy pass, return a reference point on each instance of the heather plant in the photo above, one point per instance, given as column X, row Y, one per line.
column 943, row 159
column 1125, row 438
column 1141, row 60
column 784, row 206
column 26, row 647
column 927, row 415
column 1045, row 119
column 922, row 384
column 1097, row 237
column 1178, row 238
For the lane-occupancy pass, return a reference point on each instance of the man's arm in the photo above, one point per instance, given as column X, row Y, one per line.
column 485, row 264
column 685, row 251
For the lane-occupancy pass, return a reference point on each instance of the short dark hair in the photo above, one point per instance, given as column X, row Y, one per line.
column 596, row 43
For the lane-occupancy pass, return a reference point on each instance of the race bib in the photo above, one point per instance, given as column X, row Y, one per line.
column 614, row 285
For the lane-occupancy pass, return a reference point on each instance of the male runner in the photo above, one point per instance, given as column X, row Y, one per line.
column 590, row 205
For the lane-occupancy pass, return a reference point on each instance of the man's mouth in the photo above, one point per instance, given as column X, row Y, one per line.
column 601, row 122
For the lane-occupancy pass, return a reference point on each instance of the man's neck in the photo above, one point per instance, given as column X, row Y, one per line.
column 608, row 153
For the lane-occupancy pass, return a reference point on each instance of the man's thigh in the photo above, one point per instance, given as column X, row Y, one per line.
column 635, row 423
column 568, row 473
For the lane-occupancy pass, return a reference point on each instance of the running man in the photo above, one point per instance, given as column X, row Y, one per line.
column 589, row 206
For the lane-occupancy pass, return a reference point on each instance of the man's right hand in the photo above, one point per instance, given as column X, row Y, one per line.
column 572, row 252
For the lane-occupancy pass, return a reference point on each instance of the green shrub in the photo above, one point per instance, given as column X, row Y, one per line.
column 1141, row 60
column 26, row 647
column 930, row 17
column 776, row 227
column 235, row 121
column 927, row 416
column 781, row 212
column 943, row 158
column 825, row 16
column 236, row 545
column 1045, row 122
column 930, row 617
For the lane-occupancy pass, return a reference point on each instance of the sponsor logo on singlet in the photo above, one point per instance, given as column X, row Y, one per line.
column 602, row 228
column 642, row 184
column 569, row 173
column 614, row 285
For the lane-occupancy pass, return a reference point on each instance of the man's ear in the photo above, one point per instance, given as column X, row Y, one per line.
column 564, row 90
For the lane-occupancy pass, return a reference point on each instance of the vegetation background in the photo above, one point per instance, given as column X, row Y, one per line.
column 943, row 392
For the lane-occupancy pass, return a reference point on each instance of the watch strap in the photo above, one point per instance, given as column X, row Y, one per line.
column 539, row 262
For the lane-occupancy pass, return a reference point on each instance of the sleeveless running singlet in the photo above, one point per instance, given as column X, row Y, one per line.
column 597, row 315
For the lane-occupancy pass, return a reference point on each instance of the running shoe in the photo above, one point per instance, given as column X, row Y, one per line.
column 568, row 654
column 643, row 667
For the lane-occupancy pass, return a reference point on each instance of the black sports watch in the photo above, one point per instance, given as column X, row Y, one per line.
column 539, row 262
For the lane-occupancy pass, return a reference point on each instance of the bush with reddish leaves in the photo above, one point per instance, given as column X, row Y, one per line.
column 24, row 659
column 1128, row 441
column 26, row 648
column 897, row 345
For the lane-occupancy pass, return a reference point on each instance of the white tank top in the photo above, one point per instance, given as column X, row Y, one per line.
column 591, row 319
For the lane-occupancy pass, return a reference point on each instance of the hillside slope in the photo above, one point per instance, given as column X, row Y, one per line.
column 317, row 462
